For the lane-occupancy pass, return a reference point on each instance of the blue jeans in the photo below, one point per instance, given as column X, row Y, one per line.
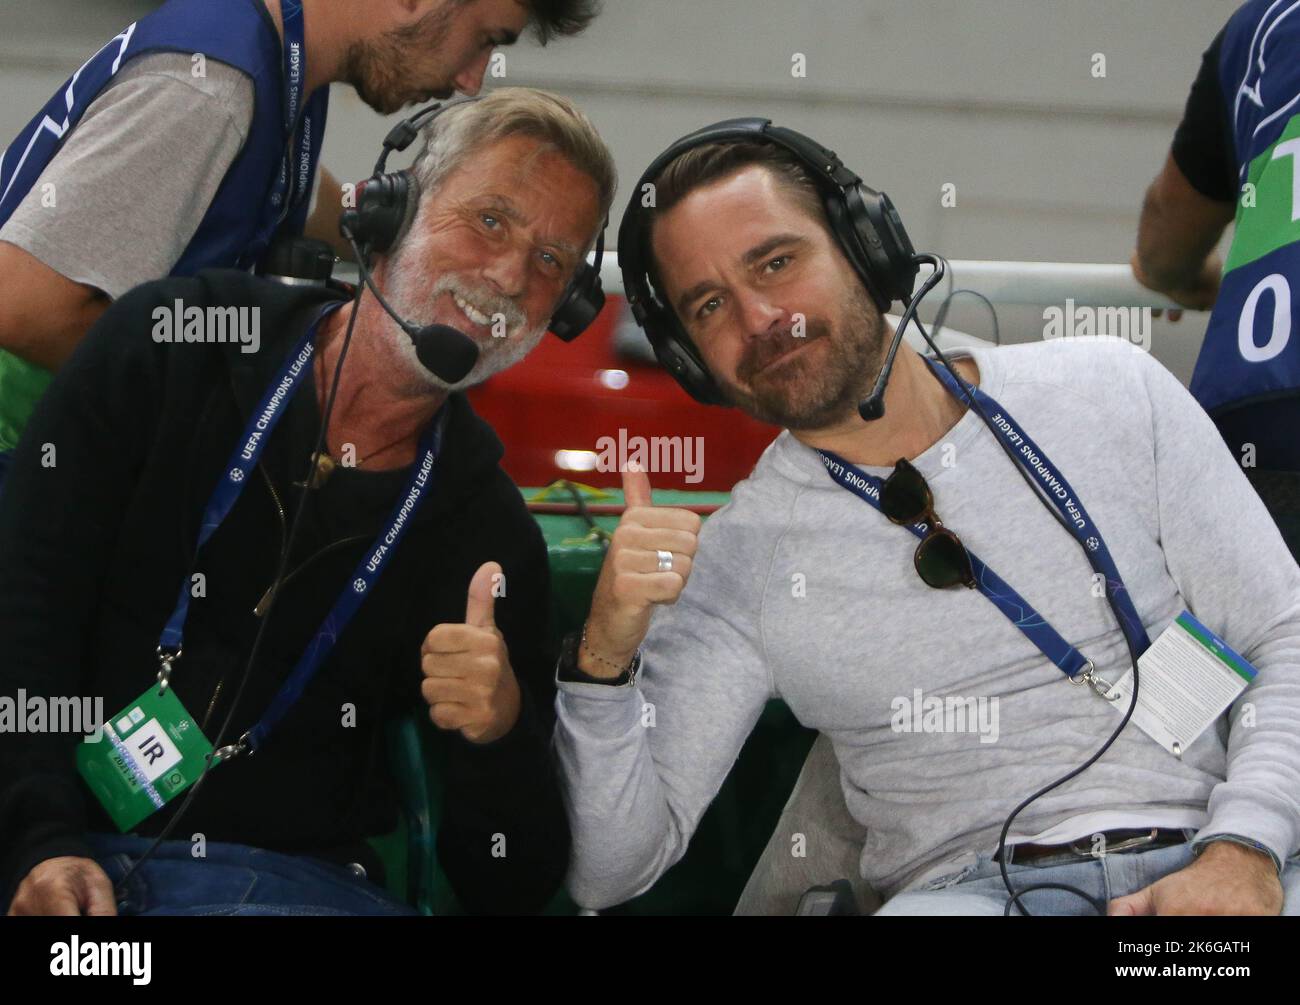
column 233, row 879
column 978, row 889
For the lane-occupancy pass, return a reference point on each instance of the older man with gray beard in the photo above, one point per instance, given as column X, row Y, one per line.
column 324, row 580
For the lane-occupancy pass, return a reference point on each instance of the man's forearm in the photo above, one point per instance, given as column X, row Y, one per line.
column 44, row 315
column 59, row 524
column 1177, row 233
column 624, row 834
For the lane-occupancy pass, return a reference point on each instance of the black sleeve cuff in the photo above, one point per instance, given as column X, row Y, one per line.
column 503, row 753
column 567, row 668
column 1203, row 147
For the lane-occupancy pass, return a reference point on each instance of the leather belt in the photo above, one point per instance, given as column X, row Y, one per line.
column 1124, row 839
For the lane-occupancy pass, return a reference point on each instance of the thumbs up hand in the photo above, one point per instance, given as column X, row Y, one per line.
column 633, row 580
column 468, row 682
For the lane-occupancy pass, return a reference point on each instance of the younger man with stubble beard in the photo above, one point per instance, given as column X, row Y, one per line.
column 800, row 590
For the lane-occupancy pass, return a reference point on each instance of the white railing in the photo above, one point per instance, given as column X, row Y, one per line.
column 1087, row 284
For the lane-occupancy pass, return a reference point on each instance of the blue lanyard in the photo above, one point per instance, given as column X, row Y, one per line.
column 364, row 576
column 286, row 195
column 1057, row 490
column 243, row 461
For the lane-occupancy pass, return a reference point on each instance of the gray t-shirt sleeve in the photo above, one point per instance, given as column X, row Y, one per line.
column 123, row 197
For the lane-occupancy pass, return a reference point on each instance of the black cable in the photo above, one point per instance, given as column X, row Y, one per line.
column 942, row 313
column 277, row 583
column 913, row 303
column 601, row 534
column 1014, row 895
column 872, row 407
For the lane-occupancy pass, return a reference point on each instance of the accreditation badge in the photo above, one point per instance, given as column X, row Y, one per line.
column 150, row 753
column 1188, row 677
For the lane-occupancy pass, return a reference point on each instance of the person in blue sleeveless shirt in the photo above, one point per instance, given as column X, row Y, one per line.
column 193, row 137
column 1236, row 156
column 898, row 584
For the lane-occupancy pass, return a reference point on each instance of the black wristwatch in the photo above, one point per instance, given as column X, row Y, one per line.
column 567, row 668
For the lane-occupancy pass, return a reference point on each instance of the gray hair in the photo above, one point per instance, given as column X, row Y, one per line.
column 515, row 111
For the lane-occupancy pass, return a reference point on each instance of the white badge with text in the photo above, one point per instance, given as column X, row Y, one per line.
column 1188, row 677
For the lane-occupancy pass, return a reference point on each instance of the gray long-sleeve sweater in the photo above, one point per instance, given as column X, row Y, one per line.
column 804, row 592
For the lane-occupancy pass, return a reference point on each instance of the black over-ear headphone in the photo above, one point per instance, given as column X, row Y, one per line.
column 387, row 203
column 864, row 222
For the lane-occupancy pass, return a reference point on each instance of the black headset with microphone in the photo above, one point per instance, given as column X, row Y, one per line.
column 864, row 222
column 387, row 203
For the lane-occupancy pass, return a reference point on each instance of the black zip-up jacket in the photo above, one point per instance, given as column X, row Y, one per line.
column 99, row 518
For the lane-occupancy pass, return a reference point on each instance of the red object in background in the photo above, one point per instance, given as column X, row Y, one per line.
column 567, row 397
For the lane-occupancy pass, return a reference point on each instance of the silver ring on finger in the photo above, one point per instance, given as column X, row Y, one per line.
column 665, row 561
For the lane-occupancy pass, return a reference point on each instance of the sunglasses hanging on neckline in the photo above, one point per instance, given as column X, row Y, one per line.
column 941, row 559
